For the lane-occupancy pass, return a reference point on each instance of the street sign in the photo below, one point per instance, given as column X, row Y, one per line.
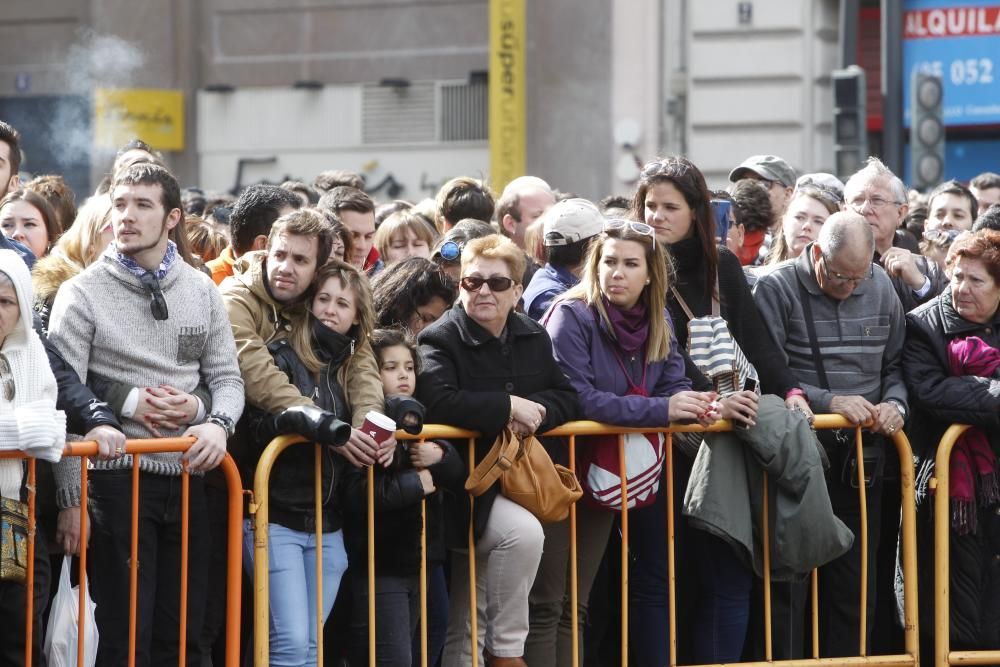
column 959, row 41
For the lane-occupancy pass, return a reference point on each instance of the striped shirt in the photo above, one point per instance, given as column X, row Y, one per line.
column 860, row 338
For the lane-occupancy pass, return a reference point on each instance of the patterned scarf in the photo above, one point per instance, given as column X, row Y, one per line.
column 169, row 259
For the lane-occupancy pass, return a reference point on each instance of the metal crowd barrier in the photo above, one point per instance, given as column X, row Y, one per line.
column 943, row 655
column 572, row 430
column 137, row 448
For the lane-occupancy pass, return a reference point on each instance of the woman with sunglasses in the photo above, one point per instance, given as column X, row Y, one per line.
column 673, row 199
column 613, row 338
column 487, row 367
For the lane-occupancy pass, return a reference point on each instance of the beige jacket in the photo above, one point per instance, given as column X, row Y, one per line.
column 257, row 320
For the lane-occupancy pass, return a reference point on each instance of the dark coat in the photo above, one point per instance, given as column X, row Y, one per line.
column 938, row 400
column 397, row 494
column 737, row 307
column 467, row 380
column 291, row 497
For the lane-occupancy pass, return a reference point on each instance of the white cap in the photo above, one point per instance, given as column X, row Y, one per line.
column 571, row 220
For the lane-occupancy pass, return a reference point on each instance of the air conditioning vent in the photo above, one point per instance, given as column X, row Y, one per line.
column 398, row 115
column 464, row 112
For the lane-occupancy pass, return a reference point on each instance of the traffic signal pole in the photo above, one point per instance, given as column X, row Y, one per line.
column 892, row 84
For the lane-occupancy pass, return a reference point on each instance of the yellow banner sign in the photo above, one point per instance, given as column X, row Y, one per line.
column 153, row 115
column 507, row 91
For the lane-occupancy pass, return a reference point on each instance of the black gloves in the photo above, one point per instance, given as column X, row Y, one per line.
column 313, row 423
column 407, row 412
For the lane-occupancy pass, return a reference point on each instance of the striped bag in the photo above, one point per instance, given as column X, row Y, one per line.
column 714, row 350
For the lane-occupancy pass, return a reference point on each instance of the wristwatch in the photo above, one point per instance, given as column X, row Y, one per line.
column 222, row 421
column 899, row 406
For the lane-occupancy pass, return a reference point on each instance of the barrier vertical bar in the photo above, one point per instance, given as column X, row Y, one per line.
column 814, row 584
column 29, row 575
column 185, row 526
column 423, row 582
column 234, row 560
column 942, row 544
column 624, row 521
column 318, row 497
column 371, row 564
column 473, row 604
column 863, row 524
column 82, row 610
column 573, row 574
column 766, row 538
column 133, row 593
column 908, row 537
column 671, row 564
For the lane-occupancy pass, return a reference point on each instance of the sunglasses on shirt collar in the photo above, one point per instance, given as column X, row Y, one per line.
column 157, row 303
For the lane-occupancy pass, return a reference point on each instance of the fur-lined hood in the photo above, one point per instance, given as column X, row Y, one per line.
column 50, row 273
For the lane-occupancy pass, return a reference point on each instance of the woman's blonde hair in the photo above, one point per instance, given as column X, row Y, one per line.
column 301, row 336
column 654, row 295
column 397, row 224
column 80, row 245
column 495, row 246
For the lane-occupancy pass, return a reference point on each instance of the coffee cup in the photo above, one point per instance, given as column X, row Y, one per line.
column 378, row 426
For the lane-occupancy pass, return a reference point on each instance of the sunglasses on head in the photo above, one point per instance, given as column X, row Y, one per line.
column 496, row 283
column 620, row 225
column 157, row 303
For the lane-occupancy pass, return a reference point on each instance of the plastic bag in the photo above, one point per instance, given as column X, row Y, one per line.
column 61, row 643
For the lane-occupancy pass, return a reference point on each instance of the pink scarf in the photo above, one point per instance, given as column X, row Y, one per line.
column 973, row 467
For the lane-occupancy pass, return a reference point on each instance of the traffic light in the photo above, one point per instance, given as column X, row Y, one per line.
column 926, row 131
column 850, row 128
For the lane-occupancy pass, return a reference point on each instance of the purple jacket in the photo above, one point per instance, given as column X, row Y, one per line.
column 585, row 351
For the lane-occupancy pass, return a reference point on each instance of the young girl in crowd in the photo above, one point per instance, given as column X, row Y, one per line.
column 328, row 357
column 418, row 470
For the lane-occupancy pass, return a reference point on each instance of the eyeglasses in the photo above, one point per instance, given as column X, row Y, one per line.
column 496, row 283
column 450, row 251
column 876, row 203
column 157, row 303
column 620, row 225
column 833, row 276
column 665, row 167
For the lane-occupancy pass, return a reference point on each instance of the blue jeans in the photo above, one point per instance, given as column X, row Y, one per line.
column 292, row 570
column 723, row 609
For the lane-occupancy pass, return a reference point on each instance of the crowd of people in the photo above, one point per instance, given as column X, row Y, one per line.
column 302, row 308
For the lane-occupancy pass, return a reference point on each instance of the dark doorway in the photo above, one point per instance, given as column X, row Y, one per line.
column 56, row 135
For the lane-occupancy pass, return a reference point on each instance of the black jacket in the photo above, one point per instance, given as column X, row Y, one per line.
column 467, row 380
column 397, row 494
column 939, row 399
column 737, row 307
column 292, row 500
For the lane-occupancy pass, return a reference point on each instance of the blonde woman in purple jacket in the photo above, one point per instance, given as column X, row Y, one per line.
column 614, row 341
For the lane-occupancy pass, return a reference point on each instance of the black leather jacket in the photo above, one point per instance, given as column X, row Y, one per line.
column 292, row 499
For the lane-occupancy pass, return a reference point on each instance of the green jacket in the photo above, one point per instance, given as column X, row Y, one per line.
column 724, row 495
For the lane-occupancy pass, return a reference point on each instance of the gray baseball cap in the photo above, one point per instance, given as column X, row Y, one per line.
column 771, row 167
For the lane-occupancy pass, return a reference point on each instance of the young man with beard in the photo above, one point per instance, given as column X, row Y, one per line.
column 141, row 316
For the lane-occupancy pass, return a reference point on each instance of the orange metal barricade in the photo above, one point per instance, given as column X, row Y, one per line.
column 571, row 431
column 943, row 655
column 137, row 448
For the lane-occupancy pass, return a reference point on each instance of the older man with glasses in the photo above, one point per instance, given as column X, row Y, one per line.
column 877, row 194
column 836, row 317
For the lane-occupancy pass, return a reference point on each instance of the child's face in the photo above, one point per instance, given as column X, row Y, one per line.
column 398, row 376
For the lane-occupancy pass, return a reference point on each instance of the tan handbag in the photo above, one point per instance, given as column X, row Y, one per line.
column 527, row 476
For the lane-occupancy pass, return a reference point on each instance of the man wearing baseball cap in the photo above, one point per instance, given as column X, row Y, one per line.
column 777, row 175
column 567, row 227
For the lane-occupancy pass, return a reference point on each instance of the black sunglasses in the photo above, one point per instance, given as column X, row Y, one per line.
column 496, row 283
column 157, row 303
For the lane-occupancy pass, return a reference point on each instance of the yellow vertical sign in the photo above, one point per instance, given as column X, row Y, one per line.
column 507, row 91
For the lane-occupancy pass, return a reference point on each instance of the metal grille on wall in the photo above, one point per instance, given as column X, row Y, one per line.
column 424, row 112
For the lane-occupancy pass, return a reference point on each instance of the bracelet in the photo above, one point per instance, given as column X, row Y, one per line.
column 795, row 391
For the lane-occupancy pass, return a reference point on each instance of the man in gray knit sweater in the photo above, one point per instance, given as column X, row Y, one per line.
column 839, row 322
column 142, row 317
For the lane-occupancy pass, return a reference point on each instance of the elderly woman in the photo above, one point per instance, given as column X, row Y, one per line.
column 487, row 367
column 29, row 422
column 950, row 363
